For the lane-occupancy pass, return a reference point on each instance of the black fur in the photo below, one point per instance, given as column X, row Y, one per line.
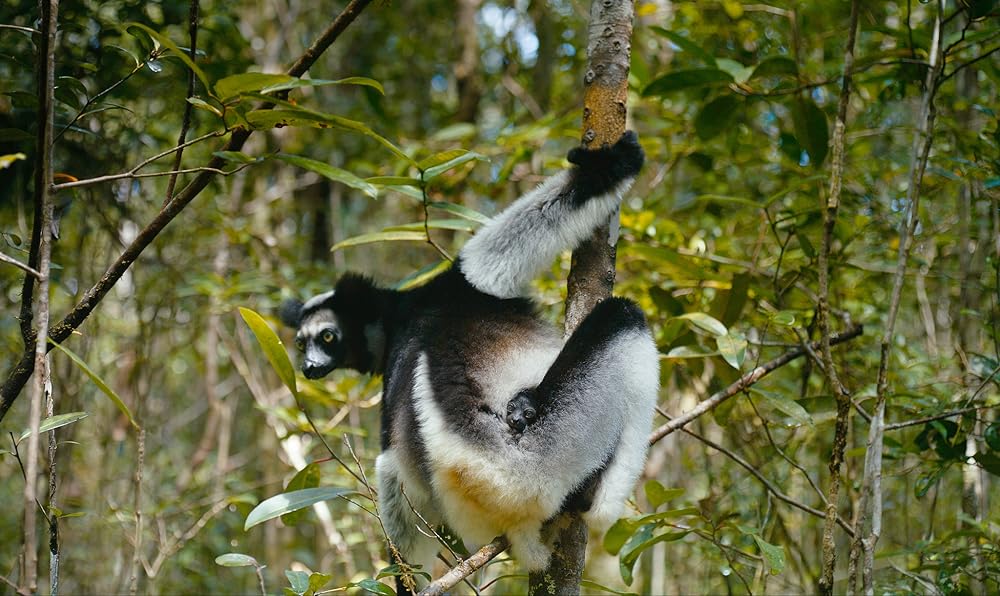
column 599, row 170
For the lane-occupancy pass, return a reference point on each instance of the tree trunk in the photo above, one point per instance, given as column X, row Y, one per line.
column 592, row 274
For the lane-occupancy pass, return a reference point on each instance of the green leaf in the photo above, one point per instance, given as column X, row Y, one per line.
column 423, row 275
column 811, row 129
column 299, row 83
column 375, row 587
column 689, row 352
column 318, row 580
column 989, row 461
column 618, row 534
column 201, row 104
column 460, row 211
column 236, row 560
column 175, row 51
column 687, row 79
column 380, row 237
column 235, row 156
column 716, row 116
column 733, row 348
column 307, row 477
column 330, row 172
column 685, row 44
column 739, row 72
column 774, row 555
column 273, row 348
column 992, row 436
column 775, row 66
column 657, row 495
column 393, row 181
column 105, row 389
column 786, row 405
column 806, row 244
column 785, row 318
column 462, row 225
column 279, row 505
column 639, row 543
column 233, row 86
column 54, row 422
column 704, row 322
column 299, row 581
column 436, row 165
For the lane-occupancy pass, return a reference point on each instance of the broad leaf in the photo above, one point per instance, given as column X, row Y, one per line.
column 717, row 116
column 234, row 85
column 775, row 66
column 375, row 587
column 811, row 129
column 307, row 477
column 298, row 580
column 774, row 555
column 657, row 494
column 299, row 83
column 279, row 505
column 685, row 44
column 785, row 405
column 175, row 51
column 687, row 79
column 733, row 348
column 273, row 348
column 705, row 322
column 236, row 560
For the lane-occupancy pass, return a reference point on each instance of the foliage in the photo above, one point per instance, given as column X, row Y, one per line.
column 735, row 105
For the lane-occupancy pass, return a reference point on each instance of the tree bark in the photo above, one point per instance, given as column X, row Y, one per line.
column 592, row 274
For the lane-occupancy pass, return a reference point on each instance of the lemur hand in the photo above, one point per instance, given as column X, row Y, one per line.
column 599, row 171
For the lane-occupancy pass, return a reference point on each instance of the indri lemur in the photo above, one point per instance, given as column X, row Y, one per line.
column 456, row 351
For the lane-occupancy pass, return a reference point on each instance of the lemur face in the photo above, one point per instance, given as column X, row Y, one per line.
column 320, row 340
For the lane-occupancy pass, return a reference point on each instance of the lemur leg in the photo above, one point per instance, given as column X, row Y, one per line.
column 510, row 250
column 401, row 523
column 596, row 404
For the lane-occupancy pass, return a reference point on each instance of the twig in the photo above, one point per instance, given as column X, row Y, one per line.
column 25, row 30
column 90, row 101
column 466, row 568
column 186, row 120
column 13, row 586
column 742, row 383
column 968, row 64
column 941, row 416
column 22, row 370
column 23, row 267
column 133, row 585
column 427, row 229
column 771, row 488
column 842, row 395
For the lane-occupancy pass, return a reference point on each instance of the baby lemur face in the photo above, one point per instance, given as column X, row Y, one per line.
column 522, row 410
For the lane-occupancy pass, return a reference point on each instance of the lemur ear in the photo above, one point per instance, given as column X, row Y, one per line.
column 356, row 294
column 290, row 312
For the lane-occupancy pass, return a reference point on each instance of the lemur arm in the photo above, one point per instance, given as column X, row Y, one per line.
column 517, row 244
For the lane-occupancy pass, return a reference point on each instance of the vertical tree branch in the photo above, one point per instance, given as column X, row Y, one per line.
column 193, row 10
column 48, row 11
column 823, row 309
column 592, row 274
column 51, row 503
column 870, row 508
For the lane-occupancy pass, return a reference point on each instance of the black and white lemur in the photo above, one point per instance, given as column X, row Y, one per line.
column 491, row 422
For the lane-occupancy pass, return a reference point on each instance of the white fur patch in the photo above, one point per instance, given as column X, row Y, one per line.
column 510, row 250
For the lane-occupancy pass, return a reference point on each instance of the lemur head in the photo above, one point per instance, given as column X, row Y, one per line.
column 337, row 329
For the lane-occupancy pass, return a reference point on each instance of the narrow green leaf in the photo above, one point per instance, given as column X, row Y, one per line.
column 687, row 79
column 330, row 172
column 175, row 51
column 380, row 237
column 235, row 156
column 236, row 560
column 657, row 494
column 685, row 44
column 460, row 211
column 454, row 159
column 462, row 225
column 423, row 275
column 299, row 83
column 105, row 389
column 689, row 352
column 307, row 477
column 705, row 322
column 739, row 72
column 201, row 104
column 54, row 422
column 774, row 555
column 233, row 86
column 273, row 348
column 785, row 318
column 279, row 505
column 733, row 348
column 618, row 534
column 811, row 129
column 775, row 66
column 784, row 404
column 717, row 116
column 393, row 181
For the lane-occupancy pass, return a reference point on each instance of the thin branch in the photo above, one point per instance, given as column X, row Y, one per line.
column 131, row 175
column 941, row 416
column 12, row 585
column 25, row 30
column 742, row 383
column 466, row 568
column 967, row 64
column 90, row 101
column 23, row 267
column 193, row 9
column 142, row 164
column 21, row 371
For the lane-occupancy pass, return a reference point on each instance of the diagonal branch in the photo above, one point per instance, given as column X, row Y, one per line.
column 19, row 375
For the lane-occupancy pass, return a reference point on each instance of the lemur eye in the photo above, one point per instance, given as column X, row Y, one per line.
column 510, row 407
column 529, row 413
column 299, row 344
column 328, row 337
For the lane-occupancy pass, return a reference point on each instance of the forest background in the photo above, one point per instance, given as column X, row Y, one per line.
column 818, row 205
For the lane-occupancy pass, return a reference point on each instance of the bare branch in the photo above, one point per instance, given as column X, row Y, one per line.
column 466, row 568
column 742, row 383
column 23, row 267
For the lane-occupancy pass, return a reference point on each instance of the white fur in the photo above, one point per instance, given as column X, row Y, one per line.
column 505, row 373
column 510, row 250
column 401, row 523
column 318, row 299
